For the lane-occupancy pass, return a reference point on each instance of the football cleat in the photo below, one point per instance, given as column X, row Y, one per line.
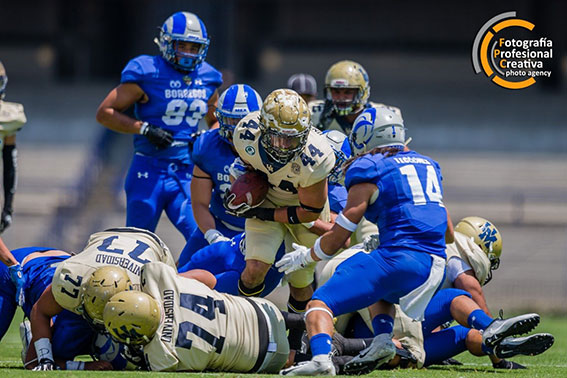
column 501, row 328
column 378, row 353
column 507, row 365
column 531, row 345
column 321, row 364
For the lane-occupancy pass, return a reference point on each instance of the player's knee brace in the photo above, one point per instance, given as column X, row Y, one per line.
column 250, row 292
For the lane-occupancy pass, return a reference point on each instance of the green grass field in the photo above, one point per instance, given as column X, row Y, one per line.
column 553, row 363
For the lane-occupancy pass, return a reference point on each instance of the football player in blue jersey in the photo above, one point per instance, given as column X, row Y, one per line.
column 400, row 191
column 171, row 93
column 72, row 336
column 213, row 153
column 13, row 269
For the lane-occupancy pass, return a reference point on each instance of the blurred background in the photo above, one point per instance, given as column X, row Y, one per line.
column 503, row 153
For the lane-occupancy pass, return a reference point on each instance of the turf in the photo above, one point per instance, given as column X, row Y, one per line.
column 552, row 363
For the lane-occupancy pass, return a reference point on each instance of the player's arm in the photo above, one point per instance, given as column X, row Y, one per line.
column 6, row 256
column 201, row 191
column 201, row 275
column 210, row 117
column 40, row 318
column 312, row 200
column 110, row 111
column 450, row 232
column 467, row 281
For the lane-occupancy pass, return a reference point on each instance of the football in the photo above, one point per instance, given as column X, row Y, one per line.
column 250, row 188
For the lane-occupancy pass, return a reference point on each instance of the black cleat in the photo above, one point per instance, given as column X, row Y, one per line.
column 501, row 328
column 531, row 345
column 507, row 365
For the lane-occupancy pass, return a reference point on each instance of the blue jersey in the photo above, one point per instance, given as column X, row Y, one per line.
column 214, row 156
column 409, row 211
column 177, row 101
column 337, row 195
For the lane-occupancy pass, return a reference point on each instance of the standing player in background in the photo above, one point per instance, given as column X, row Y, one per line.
column 305, row 85
column 347, row 89
column 401, row 193
column 171, row 94
column 12, row 119
column 213, row 153
column 280, row 142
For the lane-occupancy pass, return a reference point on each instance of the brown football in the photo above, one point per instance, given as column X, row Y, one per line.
column 250, row 188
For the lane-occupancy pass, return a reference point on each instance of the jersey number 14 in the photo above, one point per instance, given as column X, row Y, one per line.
column 432, row 187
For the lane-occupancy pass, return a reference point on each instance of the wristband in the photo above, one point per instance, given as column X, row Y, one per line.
column 318, row 251
column 264, row 213
column 345, row 223
column 292, row 217
column 144, row 128
column 212, row 234
column 74, row 365
column 43, row 349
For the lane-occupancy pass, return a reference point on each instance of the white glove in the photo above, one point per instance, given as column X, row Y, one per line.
column 237, row 168
column 214, row 236
column 297, row 259
column 371, row 242
column 44, row 355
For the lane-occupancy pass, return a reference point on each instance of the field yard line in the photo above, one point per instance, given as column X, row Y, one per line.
column 531, row 365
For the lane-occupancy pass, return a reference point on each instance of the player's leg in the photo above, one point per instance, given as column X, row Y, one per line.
column 446, row 343
column 72, row 336
column 143, row 188
column 178, row 203
column 438, row 310
column 263, row 238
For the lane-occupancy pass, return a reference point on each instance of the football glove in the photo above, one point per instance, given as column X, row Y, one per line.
column 17, row 277
column 214, row 236
column 237, row 168
column 297, row 259
column 158, row 137
column 5, row 220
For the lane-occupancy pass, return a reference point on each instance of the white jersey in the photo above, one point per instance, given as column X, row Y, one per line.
column 203, row 329
column 465, row 248
column 128, row 247
column 323, row 117
column 308, row 168
column 12, row 119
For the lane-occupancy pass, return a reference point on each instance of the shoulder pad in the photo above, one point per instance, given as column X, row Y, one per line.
column 12, row 117
column 363, row 169
column 209, row 75
column 138, row 68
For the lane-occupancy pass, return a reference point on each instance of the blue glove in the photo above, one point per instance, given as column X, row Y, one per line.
column 17, row 277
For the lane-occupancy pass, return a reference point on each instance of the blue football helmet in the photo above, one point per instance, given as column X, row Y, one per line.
column 377, row 128
column 341, row 147
column 234, row 104
column 3, row 80
column 186, row 27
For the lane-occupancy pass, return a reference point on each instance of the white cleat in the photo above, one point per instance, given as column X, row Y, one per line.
column 378, row 353
column 319, row 365
column 501, row 328
column 25, row 336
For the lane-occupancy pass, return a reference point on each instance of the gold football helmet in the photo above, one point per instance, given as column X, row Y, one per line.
column 285, row 121
column 347, row 74
column 103, row 283
column 485, row 235
column 132, row 317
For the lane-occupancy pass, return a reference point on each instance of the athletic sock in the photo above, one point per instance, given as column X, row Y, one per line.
column 320, row 344
column 478, row 319
column 382, row 323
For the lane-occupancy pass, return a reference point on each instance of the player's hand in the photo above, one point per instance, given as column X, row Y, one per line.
column 17, row 277
column 46, row 364
column 236, row 210
column 297, row 259
column 214, row 236
column 134, row 355
column 158, row 137
column 237, row 168
column 5, row 220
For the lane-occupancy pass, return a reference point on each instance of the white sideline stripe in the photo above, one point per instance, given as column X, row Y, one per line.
column 530, row 365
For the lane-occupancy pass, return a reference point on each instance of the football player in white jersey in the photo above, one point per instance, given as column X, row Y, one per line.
column 347, row 89
column 129, row 248
column 184, row 325
column 280, row 142
column 12, row 119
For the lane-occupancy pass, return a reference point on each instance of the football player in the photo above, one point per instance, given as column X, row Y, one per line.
column 305, row 85
column 12, row 119
column 213, row 153
column 128, row 247
column 400, row 191
column 471, row 258
column 14, row 271
column 71, row 334
column 347, row 89
column 200, row 329
column 280, row 142
column 171, row 93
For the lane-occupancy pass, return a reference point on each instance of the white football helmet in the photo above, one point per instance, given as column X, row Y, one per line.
column 376, row 128
column 234, row 104
column 132, row 317
column 186, row 27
